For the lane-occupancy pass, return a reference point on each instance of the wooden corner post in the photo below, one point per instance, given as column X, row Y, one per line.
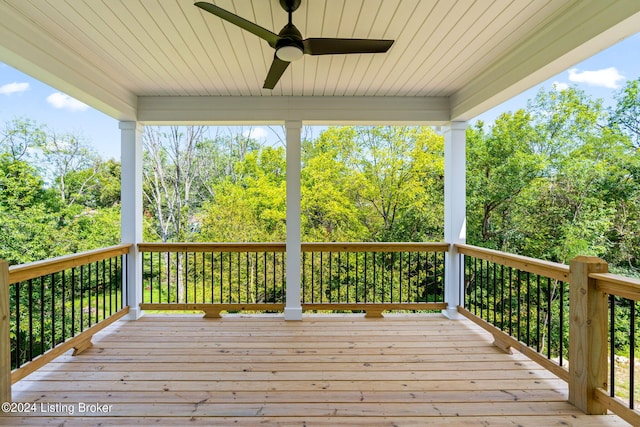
column 587, row 335
column 5, row 344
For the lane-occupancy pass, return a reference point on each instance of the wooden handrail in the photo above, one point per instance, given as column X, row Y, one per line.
column 375, row 247
column 22, row 272
column 543, row 268
column 614, row 284
column 213, row 247
column 306, row 247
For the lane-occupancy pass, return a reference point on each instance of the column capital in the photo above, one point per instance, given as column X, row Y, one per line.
column 462, row 125
column 128, row 125
column 293, row 124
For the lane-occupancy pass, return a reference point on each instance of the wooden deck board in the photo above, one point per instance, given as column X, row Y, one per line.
column 326, row 370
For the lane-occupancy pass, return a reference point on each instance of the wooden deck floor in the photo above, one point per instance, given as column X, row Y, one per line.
column 332, row 370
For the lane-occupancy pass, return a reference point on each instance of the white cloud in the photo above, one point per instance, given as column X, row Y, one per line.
column 257, row 133
column 15, row 87
column 607, row 77
column 62, row 101
column 560, row 86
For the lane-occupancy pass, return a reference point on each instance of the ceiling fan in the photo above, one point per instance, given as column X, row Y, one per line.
column 290, row 45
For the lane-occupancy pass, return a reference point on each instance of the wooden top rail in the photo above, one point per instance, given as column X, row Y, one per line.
column 306, row 247
column 213, row 247
column 375, row 247
column 549, row 269
column 32, row 270
column 621, row 286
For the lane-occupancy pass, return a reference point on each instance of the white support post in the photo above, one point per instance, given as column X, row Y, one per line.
column 293, row 309
column 454, row 212
column 131, row 211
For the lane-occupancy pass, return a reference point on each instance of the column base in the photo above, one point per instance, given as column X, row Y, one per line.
column 452, row 314
column 293, row 313
column 134, row 314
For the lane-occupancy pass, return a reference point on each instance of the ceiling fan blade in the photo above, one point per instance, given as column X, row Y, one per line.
column 325, row 46
column 253, row 28
column 278, row 68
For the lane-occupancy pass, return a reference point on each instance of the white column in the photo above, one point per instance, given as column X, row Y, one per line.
column 454, row 212
column 293, row 309
column 131, row 210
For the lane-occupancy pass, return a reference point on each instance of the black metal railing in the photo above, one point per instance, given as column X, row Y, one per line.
column 216, row 273
column 354, row 273
column 623, row 344
column 623, row 334
column 54, row 300
column 522, row 297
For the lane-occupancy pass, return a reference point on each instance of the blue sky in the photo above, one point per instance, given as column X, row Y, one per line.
column 22, row 96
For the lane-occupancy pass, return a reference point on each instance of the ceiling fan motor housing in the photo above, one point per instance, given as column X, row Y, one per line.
column 290, row 5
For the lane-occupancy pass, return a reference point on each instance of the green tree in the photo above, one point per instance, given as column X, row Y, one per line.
column 329, row 210
column 250, row 205
column 501, row 163
column 389, row 178
column 27, row 219
column 20, row 137
column 625, row 116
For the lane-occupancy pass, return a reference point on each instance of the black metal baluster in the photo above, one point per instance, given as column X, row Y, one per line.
column 283, row 273
column 510, row 301
column 212, row 277
column 348, row 255
column 185, row 275
column 393, row 264
column 528, row 309
column 88, row 298
column 366, row 284
column 538, row 315
column 402, row 254
column 321, row 278
column 18, row 288
column 125, row 299
column 30, row 282
column 502, row 301
column 275, row 271
column 81, row 299
column 612, row 345
column 304, row 277
column 548, row 318
column 73, row 301
column 632, row 354
column 53, row 311
column 238, row 268
column 264, row 279
column 247, row 276
column 97, row 289
column 111, row 281
column 519, row 292
column 42, row 301
column 375, row 275
column 63, row 307
column 473, row 292
column 357, row 295
column 340, row 277
column 150, row 257
column 409, row 293
column 169, row 279
column 561, row 352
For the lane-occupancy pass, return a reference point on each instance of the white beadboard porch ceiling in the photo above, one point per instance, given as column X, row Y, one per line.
column 470, row 55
